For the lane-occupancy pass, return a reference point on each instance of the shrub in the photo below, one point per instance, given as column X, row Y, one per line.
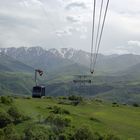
column 6, row 100
column 84, row 133
column 40, row 118
column 114, row 103
column 75, row 103
column 62, row 97
column 62, row 137
column 98, row 100
column 75, row 98
column 26, row 118
column 111, row 137
column 38, row 132
column 59, row 110
column 59, row 121
column 66, row 102
column 48, row 97
column 94, row 119
column 5, row 119
column 49, row 107
column 136, row 105
column 28, row 97
column 1, row 134
column 10, row 133
column 16, row 115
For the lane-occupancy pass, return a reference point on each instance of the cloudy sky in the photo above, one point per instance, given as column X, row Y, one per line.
column 67, row 23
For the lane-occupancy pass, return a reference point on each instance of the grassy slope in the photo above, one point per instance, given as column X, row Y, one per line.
column 12, row 65
column 123, row 121
column 122, row 89
column 17, row 83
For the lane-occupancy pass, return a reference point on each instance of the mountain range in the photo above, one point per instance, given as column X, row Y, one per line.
column 52, row 59
column 117, row 77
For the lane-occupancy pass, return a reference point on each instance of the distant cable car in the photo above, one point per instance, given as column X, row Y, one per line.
column 38, row 90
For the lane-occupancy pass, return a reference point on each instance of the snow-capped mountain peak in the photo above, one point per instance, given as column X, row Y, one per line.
column 63, row 52
column 24, row 53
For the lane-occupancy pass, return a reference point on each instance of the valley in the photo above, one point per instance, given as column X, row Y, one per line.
column 116, row 77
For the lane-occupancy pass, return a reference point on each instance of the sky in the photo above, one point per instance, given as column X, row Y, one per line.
column 68, row 23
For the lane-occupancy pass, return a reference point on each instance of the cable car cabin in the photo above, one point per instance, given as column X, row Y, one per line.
column 38, row 91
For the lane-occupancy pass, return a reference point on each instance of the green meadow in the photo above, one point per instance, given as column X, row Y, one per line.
column 122, row 121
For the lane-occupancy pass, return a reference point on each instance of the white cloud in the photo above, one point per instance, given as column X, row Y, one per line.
column 31, row 3
column 131, row 47
column 72, row 19
column 74, row 5
column 64, row 32
column 134, row 43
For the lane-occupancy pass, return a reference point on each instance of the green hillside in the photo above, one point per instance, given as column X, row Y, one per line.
column 9, row 64
column 16, row 78
column 62, row 117
column 16, row 83
column 118, row 89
